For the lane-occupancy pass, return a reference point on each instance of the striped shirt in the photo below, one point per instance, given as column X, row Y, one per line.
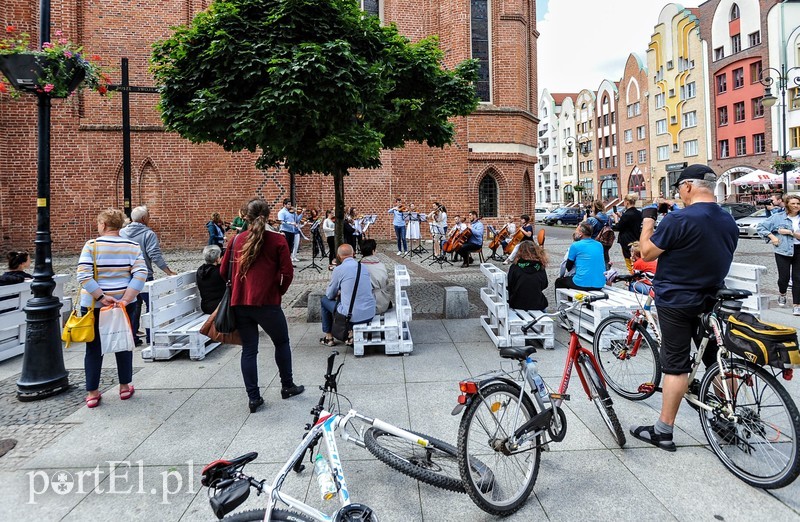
column 120, row 265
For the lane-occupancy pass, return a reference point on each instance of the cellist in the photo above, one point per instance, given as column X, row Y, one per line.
column 527, row 235
column 506, row 233
column 475, row 241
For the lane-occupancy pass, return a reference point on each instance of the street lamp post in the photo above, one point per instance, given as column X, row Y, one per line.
column 43, row 371
column 780, row 79
column 582, row 146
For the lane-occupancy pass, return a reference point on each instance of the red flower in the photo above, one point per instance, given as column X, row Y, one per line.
column 95, row 58
column 3, row 88
column 10, row 29
column 102, row 89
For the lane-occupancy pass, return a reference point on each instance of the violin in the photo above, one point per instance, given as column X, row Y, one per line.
column 402, row 208
column 498, row 237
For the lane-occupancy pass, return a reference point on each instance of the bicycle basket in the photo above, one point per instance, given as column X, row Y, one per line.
column 762, row 343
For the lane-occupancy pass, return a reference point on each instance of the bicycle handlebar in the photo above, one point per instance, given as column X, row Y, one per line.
column 636, row 276
column 580, row 300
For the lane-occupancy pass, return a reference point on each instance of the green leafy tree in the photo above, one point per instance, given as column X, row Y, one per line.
column 315, row 85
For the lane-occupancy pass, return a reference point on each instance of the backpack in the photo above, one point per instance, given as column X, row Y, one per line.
column 606, row 236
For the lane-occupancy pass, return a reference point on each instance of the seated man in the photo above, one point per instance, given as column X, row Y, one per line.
column 643, row 286
column 343, row 285
column 475, row 241
column 586, row 256
column 210, row 283
column 378, row 275
column 527, row 278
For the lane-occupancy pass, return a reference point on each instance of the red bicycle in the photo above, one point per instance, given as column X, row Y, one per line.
column 503, row 428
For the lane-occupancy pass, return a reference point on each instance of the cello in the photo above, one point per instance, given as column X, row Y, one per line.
column 457, row 240
column 498, row 237
column 519, row 236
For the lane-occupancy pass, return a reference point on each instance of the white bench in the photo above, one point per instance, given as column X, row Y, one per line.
column 587, row 318
column 390, row 329
column 503, row 323
column 174, row 318
column 13, row 327
column 743, row 276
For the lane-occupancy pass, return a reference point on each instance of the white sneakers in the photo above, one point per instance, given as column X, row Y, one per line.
column 796, row 310
column 399, row 253
column 782, row 300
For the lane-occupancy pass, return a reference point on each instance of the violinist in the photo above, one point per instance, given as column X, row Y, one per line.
column 439, row 217
column 412, row 225
column 475, row 241
column 399, row 222
column 351, row 233
column 298, row 222
column 329, row 229
column 288, row 224
column 525, row 233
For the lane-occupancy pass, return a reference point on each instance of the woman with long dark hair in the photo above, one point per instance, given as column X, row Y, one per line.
column 261, row 273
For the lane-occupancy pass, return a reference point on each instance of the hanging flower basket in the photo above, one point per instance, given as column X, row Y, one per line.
column 578, row 188
column 782, row 165
column 57, row 70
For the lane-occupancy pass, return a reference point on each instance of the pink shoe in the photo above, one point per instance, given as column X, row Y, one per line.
column 124, row 395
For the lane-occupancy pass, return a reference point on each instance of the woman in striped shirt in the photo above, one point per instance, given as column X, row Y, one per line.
column 121, row 273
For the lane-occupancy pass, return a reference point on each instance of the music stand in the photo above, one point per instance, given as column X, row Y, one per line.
column 419, row 218
column 436, row 230
column 314, row 230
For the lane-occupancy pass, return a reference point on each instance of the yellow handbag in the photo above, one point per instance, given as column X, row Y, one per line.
column 80, row 329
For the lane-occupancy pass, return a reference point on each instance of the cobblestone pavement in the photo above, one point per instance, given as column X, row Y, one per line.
column 35, row 425
column 427, row 280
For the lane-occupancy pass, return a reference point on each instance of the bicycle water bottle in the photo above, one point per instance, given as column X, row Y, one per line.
column 533, row 375
column 327, row 486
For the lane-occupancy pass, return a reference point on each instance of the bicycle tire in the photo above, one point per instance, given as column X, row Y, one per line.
column 739, row 445
column 624, row 374
column 482, row 465
column 436, row 465
column 278, row 515
column 602, row 400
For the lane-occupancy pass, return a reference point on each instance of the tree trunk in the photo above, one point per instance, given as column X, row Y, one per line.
column 338, row 208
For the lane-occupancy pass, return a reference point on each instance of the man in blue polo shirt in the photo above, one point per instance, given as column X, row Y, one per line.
column 694, row 248
column 586, row 256
column 475, row 241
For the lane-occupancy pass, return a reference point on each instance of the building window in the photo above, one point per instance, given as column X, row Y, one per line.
column 480, row 47
column 722, row 83
column 663, row 152
column 795, row 137
column 722, row 116
column 590, row 166
column 629, row 158
column 723, row 149
column 371, row 6
column 487, row 197
column 755, row 71
column 754, row 38
column 628, row 135
column 759, row 144
column 738, row 111
column 661, row 127
column 660, row 100
column 719, row 53
column 688, row 91
column 741, row 146
column 758, row 107
column 640, row 132
column 690, row 148
column 642, row 156
column 736, row 43
column 690, row 119
column 794, row 98
column 734, row 12
column 738, row 78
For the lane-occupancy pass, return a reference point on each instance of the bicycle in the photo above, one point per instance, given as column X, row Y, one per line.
column 749, row 419
column 503, row 431
column 422, row 457
column 626, row 347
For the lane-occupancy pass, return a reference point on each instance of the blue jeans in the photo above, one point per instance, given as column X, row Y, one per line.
column 640, row 288
column 289, row 239
column 400, row 232
column 142, row 300
column 271, row 319
column 327, row 309
column 93, row 359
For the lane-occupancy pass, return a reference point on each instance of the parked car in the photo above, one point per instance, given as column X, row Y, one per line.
column 539, row 214
column 747, row 225
column 738, row 210
column 564, row 216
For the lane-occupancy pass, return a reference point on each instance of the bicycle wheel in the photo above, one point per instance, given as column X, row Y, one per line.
column 627, row 358
column 761, row 448
column 279, row 515
column 601, row 399
column 436, row 464
column 498, row 480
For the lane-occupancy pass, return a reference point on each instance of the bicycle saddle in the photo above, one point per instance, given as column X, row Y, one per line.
column 517, row 352
column 732, row 293
column 221, row 469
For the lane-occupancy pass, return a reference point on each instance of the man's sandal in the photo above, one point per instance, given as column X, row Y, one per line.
column 648, row 434
column 324, row 341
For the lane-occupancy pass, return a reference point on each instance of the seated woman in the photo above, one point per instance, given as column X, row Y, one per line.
column 378, row 275
column 527, row 278
column 18, row 262
column 209, row 281
column 643, row 286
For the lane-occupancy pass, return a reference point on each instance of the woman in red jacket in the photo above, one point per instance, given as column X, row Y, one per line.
column 262, row 272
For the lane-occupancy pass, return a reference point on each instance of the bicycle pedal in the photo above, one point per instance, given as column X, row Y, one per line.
column 559, row 396
column 647, row 387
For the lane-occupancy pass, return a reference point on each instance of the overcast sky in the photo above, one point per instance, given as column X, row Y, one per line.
column 583, row 42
